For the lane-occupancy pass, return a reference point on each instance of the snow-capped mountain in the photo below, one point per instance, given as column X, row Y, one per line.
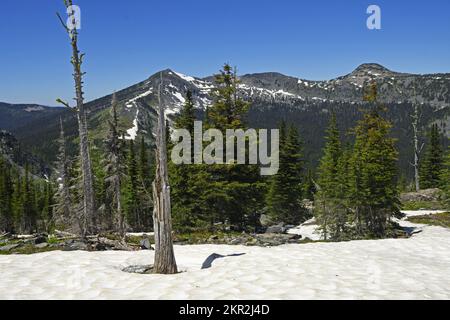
column 273, row 97
column 138, row 102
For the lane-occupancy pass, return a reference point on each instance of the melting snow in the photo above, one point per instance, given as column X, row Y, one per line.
column 132, row 133
column 131, row 102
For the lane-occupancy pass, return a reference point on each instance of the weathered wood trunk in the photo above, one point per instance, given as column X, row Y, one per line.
column 415, row 125
column 417, row 150
column 88, row 218
column 164, row 255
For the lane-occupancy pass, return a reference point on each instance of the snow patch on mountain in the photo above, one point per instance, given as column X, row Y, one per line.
column 34, row 109
column 131, row 103
column 132, row 133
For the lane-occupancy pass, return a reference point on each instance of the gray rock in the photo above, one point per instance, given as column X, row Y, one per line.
column 9, row 247
column 422, row 195
column 265, row 220
column 279, row 228
column 42, row 245
column 145, row 244
column 75, row 246
column 236, row 241
column 141, row 269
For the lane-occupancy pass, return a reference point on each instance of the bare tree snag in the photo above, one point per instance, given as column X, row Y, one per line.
column 417, row 150
column 164, row 255
column 88, row 216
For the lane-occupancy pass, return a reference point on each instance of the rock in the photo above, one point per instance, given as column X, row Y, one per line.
column 9, row 247
column 213, row 238
column 265, row 220
column 422, row 195
column 145, row 244
column 279, row 228
column 41, row 245
column 40, row 239
column 101, row 247
column 236, row 241
column 144, row 269
column 252, row 242
column 73, row 245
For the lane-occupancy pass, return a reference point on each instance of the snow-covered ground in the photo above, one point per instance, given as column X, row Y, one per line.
column 415, row 268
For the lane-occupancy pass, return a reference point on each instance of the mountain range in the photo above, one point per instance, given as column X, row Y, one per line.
column 273, row 97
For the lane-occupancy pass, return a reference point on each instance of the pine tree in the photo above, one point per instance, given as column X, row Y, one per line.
column 186, row 210
column 28, row 210
column 6, row 197
column 115, row 170
column 445, row 178
column 373, row 167
column 432, row 163
column 63, row 202
column 47, row 207
column 146, row 175
column 285, row 193
column 235, row 193
column 309, row 186
column 133, row 212
column 330, row 208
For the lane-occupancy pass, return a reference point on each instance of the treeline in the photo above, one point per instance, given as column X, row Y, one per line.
column 26, row 203
column 234, row 196
column 355, row 189
column 358, row 190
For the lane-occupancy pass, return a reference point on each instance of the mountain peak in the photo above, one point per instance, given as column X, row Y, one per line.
column 373, row 67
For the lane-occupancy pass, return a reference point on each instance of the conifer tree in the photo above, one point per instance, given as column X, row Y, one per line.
column 373, row 187
column 235, row 193
column 309, row 187
column 185, row 205
column 115, row 170
column 6, row 197
column 330, row 208
column 63, row 201
column 285, row 192
column 445, row 178
column 432, row 162
column 28, row 204
column 132, row 194
column 146, row 175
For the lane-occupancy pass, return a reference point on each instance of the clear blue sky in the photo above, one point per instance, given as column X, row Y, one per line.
column 127, row 41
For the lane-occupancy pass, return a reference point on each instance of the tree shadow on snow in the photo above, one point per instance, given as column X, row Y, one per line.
column 208, row 262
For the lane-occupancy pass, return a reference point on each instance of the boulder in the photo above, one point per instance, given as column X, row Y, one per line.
column 279, row 228
column 41, row 245
column 9, row 247
column 40, row 239
column 145, row 244
column 141, row 269
column 422, row 195
column 74, row 245
column 265, row 220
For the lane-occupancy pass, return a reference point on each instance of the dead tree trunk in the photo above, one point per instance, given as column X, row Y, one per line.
column 164, row 255
column 417, row 149
column 86, row 165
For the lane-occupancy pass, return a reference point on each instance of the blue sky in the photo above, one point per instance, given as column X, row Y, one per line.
column 127, row 41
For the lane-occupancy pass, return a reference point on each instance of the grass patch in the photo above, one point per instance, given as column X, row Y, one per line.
column 439, row 219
